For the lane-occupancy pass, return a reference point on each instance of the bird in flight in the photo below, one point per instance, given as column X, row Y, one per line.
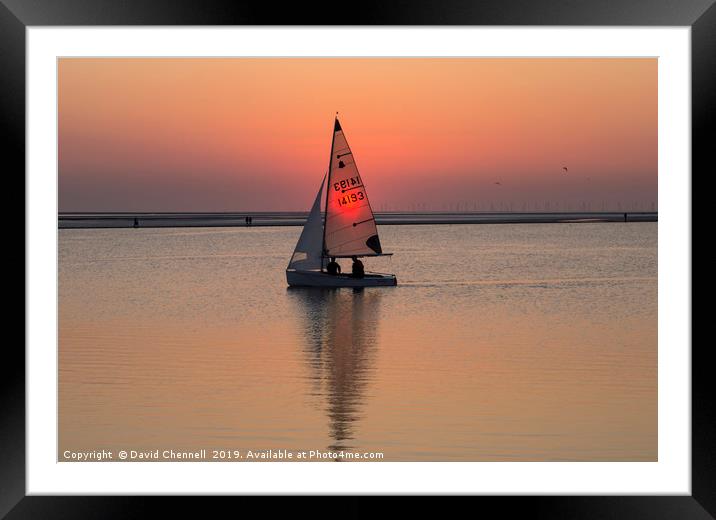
column 565, row 169
column 499, row 184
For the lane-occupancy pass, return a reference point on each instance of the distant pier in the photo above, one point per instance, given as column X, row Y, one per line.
column 257, row 219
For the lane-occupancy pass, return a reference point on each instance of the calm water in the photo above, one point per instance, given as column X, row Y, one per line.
column 501, row 342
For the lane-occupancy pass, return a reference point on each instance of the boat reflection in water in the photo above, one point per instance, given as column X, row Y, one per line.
column 341, row 332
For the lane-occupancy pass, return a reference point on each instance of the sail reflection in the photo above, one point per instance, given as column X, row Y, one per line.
column 341, row 330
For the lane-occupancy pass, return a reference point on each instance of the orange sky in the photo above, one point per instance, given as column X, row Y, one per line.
column 254, row 134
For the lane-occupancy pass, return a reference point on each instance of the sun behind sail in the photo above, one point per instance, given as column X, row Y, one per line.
column 350, row 226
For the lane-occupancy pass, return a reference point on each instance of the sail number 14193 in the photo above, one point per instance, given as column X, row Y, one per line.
column 350, row 198
column 347, row 185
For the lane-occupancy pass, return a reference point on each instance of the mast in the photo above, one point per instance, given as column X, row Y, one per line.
column 336, row 125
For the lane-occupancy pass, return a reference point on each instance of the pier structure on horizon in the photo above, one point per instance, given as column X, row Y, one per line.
column 257, row 219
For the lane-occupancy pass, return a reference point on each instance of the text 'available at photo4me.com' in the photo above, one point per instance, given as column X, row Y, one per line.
column 208, row 455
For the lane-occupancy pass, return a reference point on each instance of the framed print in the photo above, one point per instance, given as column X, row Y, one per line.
column 485, row 289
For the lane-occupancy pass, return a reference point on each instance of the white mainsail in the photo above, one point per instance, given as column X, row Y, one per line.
column 308, row 253
column 350, row 226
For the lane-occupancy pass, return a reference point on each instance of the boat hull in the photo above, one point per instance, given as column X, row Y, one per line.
column 319, row 279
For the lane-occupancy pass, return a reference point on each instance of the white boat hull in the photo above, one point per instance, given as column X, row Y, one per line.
column 319, row 279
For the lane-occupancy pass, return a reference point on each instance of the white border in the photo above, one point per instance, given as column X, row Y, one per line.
column 671, row 474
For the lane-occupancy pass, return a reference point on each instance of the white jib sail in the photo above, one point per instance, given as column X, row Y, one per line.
column 350, row 226
column 308, row 253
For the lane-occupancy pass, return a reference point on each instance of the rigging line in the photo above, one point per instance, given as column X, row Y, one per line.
column 353, row 188
column 349, row 226
column 362, row 221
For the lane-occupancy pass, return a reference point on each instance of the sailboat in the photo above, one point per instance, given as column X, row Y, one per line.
column 346, row 229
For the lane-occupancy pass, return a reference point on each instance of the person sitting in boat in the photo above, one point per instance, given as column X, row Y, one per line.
column 358, row 270
column 333, row 267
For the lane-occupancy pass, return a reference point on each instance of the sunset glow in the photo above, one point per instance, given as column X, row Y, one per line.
column 254, row 134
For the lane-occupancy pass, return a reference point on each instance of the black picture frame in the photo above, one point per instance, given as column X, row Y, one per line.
column 700, row 15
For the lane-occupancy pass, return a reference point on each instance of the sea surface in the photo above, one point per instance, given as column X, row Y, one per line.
column 502, row 342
